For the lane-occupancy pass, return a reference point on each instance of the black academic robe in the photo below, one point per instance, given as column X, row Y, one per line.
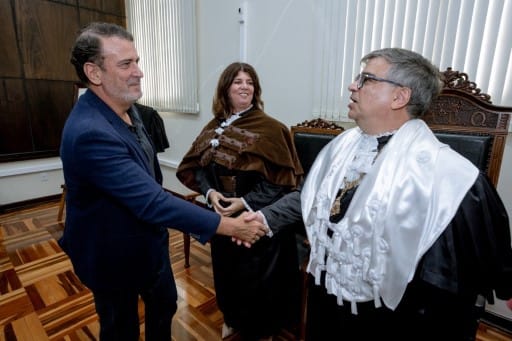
column 472, row 257
column 154, row 126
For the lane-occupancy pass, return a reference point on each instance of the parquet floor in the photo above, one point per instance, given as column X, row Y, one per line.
column 42, row 299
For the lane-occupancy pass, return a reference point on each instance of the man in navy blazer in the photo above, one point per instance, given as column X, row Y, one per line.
column 117, row 212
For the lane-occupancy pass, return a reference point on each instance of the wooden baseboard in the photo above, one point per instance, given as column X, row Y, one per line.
column 53, row 198
column 497, row 321
column 28, row 203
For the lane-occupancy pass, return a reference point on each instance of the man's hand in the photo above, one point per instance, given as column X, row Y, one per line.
column 246, row 232
column 250, row 217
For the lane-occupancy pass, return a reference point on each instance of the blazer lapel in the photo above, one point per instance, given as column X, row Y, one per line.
column 120, row 127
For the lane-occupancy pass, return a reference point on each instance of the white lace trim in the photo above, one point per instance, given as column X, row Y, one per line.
column 363, row 159
column 344, row 256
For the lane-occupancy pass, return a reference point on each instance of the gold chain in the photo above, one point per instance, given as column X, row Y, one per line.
column 335, row 209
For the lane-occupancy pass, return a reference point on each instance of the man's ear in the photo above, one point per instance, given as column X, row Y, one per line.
column 401, row 97
column 93, row 73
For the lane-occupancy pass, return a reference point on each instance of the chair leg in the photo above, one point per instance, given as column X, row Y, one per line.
column 186, row 248
column 304, row 286
column 191, row 197
column 62, row 203
column 303, row 304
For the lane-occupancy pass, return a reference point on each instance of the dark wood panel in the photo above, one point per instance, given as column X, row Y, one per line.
column 49, row 105
column 10, row 65
column 14, row 118
column 36, row 77
column 32, row 117
column 87, row 16
column 68, row 2
column 115, row 7
column 47, row 31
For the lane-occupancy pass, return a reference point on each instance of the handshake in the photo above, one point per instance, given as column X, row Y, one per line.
column 245, row 229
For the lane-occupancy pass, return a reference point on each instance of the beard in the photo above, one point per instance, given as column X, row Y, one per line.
column 126, row 94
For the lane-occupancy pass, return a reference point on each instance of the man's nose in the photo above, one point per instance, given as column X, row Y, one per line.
column 353, row 86
column 138, row 72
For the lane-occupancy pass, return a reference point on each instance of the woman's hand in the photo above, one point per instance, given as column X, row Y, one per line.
column 225, row 206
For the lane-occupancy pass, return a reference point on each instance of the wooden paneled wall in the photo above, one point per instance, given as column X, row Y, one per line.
column 37, row 81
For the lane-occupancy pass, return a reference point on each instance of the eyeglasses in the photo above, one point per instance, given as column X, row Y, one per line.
column 363, row 77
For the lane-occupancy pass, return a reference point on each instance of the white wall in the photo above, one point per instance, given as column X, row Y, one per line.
column 279, row 46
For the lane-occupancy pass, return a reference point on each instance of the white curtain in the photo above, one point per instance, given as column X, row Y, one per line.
column 165, row 37
column 471, row 36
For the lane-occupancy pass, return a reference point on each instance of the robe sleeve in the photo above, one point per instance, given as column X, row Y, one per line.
column 263, row 193
column 203, row 181
column 155, row 127
column 286, row 211
column 473, row 255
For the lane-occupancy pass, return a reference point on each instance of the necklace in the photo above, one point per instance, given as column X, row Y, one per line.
column 368, row 150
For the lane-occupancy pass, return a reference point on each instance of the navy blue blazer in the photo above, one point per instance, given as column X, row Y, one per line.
column 117, row 214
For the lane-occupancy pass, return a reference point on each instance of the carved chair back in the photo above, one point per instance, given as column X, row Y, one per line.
column 310, row 137
column 465, row 118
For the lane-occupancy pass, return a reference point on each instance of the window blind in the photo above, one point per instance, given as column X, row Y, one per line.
column 165, row 36
column 471, row 36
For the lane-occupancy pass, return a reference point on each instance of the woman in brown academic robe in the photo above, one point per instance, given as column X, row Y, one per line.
column 243, row 160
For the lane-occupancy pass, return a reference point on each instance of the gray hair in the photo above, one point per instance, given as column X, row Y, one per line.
column 88, row 46
column 414, row 71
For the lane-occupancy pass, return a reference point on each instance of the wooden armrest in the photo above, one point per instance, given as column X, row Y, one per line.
column 191, row 196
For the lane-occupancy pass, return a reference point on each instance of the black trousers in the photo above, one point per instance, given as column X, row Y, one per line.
column 118, row 309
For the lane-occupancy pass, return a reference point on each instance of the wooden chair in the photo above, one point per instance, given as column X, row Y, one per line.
column 462, row 117
column 309, row 138
column 62, row 203
column 465, row 118
column 191, row 197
